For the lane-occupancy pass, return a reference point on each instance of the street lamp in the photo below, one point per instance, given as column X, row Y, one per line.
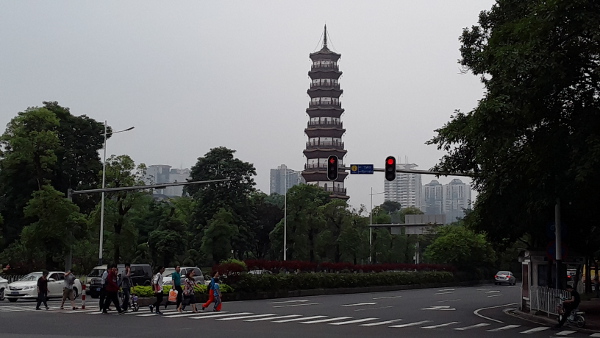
column 103, row 187
column 285, row 178
column 371, row 226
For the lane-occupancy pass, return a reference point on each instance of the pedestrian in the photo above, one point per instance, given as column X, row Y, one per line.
column 112, row 290
column 42, row 290
column 569, row 305
column 157, row 286
column 176, row 283
column 597, row 285
column 188, row 292
column 103, row 290
column 68, row 290
column 217, row 294
column 210, row 288
column 126, row 286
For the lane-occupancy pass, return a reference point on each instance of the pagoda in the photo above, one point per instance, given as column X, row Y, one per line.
column 325, row 128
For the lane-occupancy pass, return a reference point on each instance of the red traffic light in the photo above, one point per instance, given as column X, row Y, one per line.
column 332, row 168
column 332, row 159
column 390, row 161
column 390, row 168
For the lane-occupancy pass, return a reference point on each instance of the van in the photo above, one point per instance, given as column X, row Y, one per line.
column 141, row 274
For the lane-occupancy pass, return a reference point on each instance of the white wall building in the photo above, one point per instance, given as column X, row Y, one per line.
column 161, row 173
column 406, row 189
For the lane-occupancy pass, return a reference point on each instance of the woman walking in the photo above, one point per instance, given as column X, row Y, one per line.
column 188, row 292
column 157, row 286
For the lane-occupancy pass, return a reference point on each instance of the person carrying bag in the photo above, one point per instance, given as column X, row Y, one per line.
column 157, row 282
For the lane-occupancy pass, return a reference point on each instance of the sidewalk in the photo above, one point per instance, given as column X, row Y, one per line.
column 590, row 307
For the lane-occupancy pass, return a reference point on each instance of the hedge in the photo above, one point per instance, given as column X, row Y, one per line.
column 146, row 291
column 249, row 283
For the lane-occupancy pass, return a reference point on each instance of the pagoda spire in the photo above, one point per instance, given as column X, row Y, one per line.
column 325, row 37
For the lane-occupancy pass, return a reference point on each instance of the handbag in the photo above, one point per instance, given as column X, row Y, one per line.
column 172, row 295
column 156, row 288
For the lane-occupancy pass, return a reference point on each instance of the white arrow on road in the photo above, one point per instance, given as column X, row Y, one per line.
column 439, row 308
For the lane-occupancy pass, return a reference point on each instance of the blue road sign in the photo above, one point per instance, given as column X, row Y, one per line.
column 361, row 168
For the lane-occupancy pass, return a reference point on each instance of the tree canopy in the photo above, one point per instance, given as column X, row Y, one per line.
column 534, row 138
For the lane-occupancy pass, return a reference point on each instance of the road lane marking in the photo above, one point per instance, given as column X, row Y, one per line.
column 291, row 301
column 183, row 315
column 387, row 297
column 471, row 327
column 292, row 305
column 374, row 308
column 536, row 329
column 443, row 290
column 565, row 333
column 595, row 335
column 493, row 291
column 271, row 318
column 216, row 315
column 381, row 323
column 248, row 316
column 439, row 325
column 324, row 320
column 359, row 304
column 449, row 300
column 507, row 327
column 412, row 324
column 354, row 321
column 439, row 308
column 476, row 312
column 297, row 319
column 443, row 293
column 490, row 296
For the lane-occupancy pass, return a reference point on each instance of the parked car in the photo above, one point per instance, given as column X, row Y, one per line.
column 260, row 272
column 141, row 274
column 199, row 277
column 26, row 287
column 504, row 277
column 3, row 287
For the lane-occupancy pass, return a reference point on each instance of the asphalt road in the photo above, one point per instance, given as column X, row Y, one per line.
column 451, row 312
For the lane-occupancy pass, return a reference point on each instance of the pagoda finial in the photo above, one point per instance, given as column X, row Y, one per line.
column 325, row 37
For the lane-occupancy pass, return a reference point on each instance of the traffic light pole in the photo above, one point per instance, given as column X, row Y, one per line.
column 425, row 172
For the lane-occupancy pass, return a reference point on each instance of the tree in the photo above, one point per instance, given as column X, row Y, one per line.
column 57, row 224
column 534, row 138
column 217, row 239
column 234, row 195
column 266, row 216
column 461, row 247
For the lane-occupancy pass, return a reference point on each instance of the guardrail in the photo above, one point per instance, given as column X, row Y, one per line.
column 546, row 299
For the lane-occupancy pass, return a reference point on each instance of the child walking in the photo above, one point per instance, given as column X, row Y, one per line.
column 217, row 295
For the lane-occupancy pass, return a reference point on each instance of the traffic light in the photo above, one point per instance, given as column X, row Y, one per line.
column 390, row 168
column 332, row 168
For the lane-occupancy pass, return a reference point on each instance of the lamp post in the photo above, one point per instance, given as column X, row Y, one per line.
column 103, row 187
column 285, row 177
column 371, row 225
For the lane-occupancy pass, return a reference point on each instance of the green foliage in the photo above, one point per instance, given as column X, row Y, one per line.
column 146, row 291
column 304, row 281
column 535, row 135
column 461, row 247
column 216, row 241
column 242, row 264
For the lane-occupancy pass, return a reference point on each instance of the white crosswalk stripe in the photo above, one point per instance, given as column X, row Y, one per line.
column 439, row 325
column 382, row 323
column 297, row 319
column 411, row 324
column 324, row 320
column 354, row 321
column 471, row 327
column 565, row 333
column 536, row 329
column 219, row 315
column 595, row 335
column 271, row 318
column 503, row 328
column 246, row 317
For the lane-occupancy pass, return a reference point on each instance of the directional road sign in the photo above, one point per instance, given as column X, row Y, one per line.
column 361, row 168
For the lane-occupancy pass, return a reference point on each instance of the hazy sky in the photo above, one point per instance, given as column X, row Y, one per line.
column 194, row 75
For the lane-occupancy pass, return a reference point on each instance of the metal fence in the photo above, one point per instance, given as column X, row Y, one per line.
column 546, row 299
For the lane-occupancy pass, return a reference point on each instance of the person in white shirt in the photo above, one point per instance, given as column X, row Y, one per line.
column 157, row 283
column 102, row 290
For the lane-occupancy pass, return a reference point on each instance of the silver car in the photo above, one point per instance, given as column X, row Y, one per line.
column 26, row 287
column 3, row 287
column 505, row 277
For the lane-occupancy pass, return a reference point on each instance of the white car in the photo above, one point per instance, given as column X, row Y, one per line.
column 167, row 278
column 26, row 287
column 3, row 287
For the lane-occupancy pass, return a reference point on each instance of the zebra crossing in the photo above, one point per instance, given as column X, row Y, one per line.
column 311, row 320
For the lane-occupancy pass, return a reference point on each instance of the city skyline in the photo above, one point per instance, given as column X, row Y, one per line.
column 193, row 76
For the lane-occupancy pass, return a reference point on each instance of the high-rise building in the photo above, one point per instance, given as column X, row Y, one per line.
column 283, row 178
column 161, row 173
column 457, row 197
column 325, row 128
column 433, row 195
column 405, row 189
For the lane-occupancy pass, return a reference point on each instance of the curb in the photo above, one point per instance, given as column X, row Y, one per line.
column 544, row 320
